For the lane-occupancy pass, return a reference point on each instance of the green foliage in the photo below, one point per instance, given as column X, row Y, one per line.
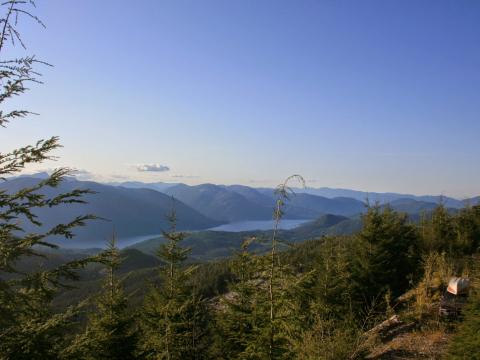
column 468, row 230
column 333, row 290
column 174, row 316
column 438, row 231
column 455, row 235
column 35, row 335
column 284, row 292
column 331, row 339
column 247, row 328
column 385, row 256
column 28, row 327
column 212, row 278
column 466, row 342
column 111, row 330
column 318, row 312
column 262, row 316
column 332, row 330
column 237, row 316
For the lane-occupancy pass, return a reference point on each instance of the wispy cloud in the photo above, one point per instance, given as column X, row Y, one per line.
column 152, row 168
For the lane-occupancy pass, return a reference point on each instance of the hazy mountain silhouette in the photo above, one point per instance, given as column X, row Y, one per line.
column 472, row 201
column 380, row 197
column 219, row 203
column 137, row 209
column 240, row 203
column 131, row 212
column 158, row 186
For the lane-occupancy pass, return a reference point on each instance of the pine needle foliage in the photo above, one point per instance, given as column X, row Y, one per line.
column 438, row 231
column 385, row 256
column 174, row 315
column 28, row 327
column 468, row 230
column 456, row 235
column 333, row 290
column 266, row 308
column 111, row 331
column 237, row 316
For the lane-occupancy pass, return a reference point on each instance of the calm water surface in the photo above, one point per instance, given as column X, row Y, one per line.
column 249, row 225
column 257, row 225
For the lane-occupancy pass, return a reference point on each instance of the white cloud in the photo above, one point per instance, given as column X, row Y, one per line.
column 152, row 168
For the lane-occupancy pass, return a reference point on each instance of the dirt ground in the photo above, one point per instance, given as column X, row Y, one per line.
column 413, row 345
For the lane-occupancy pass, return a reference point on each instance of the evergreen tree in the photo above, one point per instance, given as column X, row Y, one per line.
column 237, row 315
column 276, row 337
column 332, row 290
column 333, row 330
column 174, row 315
column 438, row 231
column 28, row 327
column 468, row 230
column 279, row 301
column 273, row 312
column 111, row 330
column 385, row 256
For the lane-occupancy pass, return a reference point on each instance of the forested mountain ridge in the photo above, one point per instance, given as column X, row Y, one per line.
column 128, row 212
column 137, row 211
column 382, row 198
column 158, row 186
column 219, row 203
column 326, row 192
column 239, row 202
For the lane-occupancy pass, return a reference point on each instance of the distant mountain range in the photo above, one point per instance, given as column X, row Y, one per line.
column 330, row 193
column 159, row 186
column 129, row 212
column 138, row 209
column 472, row 201
column 240, row 203
column 382, row 198
column 219, row 203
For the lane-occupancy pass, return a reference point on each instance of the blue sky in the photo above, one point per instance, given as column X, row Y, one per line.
column 373, row 95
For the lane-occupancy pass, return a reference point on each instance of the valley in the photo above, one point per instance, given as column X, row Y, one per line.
column 136, row 212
